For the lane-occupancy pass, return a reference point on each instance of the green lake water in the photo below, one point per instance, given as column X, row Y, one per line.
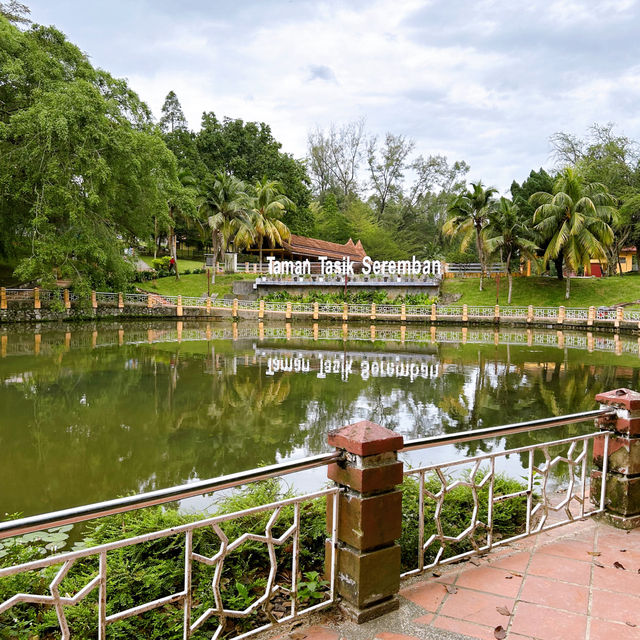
column 89, row 412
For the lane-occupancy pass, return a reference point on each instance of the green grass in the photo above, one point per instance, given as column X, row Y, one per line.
column 547, row 292
column 194, row 284
column 182, row 264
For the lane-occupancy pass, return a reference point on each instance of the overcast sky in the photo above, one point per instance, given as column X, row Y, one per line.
column 486, row 81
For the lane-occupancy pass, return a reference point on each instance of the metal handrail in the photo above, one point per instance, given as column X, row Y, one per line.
column 161, row 496
column 504, row 430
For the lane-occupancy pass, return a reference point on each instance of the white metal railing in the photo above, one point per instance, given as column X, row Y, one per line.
column 475, row 267
column 545, row 312
column 481, row 312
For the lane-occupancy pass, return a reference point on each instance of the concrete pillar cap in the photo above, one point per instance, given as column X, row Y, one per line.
column 622, row 397
column 365, row 438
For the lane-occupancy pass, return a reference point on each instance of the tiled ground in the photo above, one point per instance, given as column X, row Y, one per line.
column 560, row 585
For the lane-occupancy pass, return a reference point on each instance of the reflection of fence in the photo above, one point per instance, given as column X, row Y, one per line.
column 365, row 518
column 616, row 317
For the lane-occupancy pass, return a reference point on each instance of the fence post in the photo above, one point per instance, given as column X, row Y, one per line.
column 465, row 314
column 561, row 313
column 619, row 316
column 345, row 311
column 255, row 268
column 591, row 316
column 149, row 301
column 496, row 313
column 94, row 300
column 234, row 308
column 36, row 298
column 530, row 314
column 67, row 299
column 120, row 301
column 287, row 313
column 3, row 298
column 179, row 307
column 208, row 305
column 620, row 461
column 246, row 267
column 403, row 312
column 434, row 313
column 315, row 310
column 261, row 310
column 370, row 519
column 373, row 311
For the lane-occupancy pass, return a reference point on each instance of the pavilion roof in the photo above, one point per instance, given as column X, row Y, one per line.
column 314, row 248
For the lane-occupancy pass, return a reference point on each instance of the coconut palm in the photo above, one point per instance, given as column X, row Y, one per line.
column 269, row 204
column 507, row 235
column 575, row 220
column 227, row 204
column 468, row 216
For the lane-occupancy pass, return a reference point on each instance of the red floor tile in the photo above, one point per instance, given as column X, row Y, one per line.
column 559, row 595
column 428, row 595
column 476, row 607
column 548, row 624
column 426, row 620
column 616, row 606
column 517, row 562
column 624, row 581
column 604, row 630
column 465, row 628
column 564, row 569
column 569, row 549
column 394, row 636
column 490, row 580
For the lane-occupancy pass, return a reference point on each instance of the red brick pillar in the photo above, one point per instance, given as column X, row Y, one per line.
column 622, row 491
column 370, row 519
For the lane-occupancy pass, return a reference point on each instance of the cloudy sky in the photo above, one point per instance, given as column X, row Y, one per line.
column 486, row 81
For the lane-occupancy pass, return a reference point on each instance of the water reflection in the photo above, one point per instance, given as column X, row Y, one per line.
column 94, row 411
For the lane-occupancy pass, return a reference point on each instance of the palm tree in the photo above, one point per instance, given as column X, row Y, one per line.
column 268, row 205
column 227, row 204
column 575, row 219
column 468, row 216
column 506, row 234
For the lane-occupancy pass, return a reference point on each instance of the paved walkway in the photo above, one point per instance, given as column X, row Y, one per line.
column 578, row 582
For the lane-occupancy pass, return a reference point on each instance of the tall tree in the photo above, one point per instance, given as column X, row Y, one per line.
column 172, row 116
column 386, row 167
column 506, row 235
column 575, row 219
column 226, row 203
column 15, row 12
column 269, row 205
column 468, row 217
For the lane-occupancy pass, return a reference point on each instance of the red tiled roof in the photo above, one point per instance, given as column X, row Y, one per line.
column 313, row 248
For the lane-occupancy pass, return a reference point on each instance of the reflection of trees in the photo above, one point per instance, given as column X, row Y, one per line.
column 158, row 415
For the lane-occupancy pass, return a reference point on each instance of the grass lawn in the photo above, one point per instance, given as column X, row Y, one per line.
column 194, row 284
column 547, row 292
column 182, row 264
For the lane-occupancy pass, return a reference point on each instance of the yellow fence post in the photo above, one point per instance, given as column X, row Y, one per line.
column 465, row 314
column 94, row 300
column 67, row 300
column 36, row 298
column 315, row 310
column 3, row 298
column 345, row 311
column 373, row 310
column 255, row 268
column 149, row 302
column 261, row 310
column 120, row 301
column 530, row 314
column 246, row 267
column 403, row 312
column 619, row 316
column 561, row 312
column 591, row 316
column 234, row 308
column 287, row 313
column 496, row 313
column 179, row 307
column 434, row 313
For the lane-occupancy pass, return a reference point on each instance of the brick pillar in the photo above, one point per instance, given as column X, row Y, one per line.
column 3, row 298
column 622, row 496
column 36, row 298
column 94, row 300
column 496, row 313
column 234, row 308
column 370, row 518
column 590, row 316
column 373, row 310
column 434, row 313
column 179, row 307
column 67, row 299
column 315, row 310
column 261, row 310
column 530, row 314
column 465, row 313
column 120, row 301
column 561, row 312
